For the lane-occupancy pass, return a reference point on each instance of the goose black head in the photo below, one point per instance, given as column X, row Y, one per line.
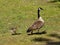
column 40, row 8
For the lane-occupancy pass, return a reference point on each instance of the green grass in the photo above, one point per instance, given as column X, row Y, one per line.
column 22, row 13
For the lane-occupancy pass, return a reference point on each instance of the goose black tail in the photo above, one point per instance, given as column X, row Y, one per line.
column 28, row 30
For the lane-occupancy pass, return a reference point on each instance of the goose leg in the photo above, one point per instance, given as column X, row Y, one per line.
column 38, row 30
column 31, row 32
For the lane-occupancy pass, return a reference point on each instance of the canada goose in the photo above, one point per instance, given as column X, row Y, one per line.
column 13, row 30
column 37, row 24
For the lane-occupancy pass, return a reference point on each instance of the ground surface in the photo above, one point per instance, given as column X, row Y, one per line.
column 21, row 14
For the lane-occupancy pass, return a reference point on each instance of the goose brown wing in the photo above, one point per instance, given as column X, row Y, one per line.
column 36, row 25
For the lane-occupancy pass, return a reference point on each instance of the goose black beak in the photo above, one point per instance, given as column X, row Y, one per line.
column 42, row 9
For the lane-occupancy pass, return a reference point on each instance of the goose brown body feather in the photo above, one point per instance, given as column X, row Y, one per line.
column 36, row 25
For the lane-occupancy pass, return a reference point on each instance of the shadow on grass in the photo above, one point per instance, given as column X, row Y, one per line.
column 48, row 41
column 40, row 33
column 54, row 35
column 58, row 5
column 53, row 43
column 39, row 39
column 16, row 34
column 53, row 1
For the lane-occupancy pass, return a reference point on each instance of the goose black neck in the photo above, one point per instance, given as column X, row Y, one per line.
column 38, row 14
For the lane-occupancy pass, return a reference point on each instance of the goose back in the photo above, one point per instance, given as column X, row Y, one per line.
column 36, row 25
